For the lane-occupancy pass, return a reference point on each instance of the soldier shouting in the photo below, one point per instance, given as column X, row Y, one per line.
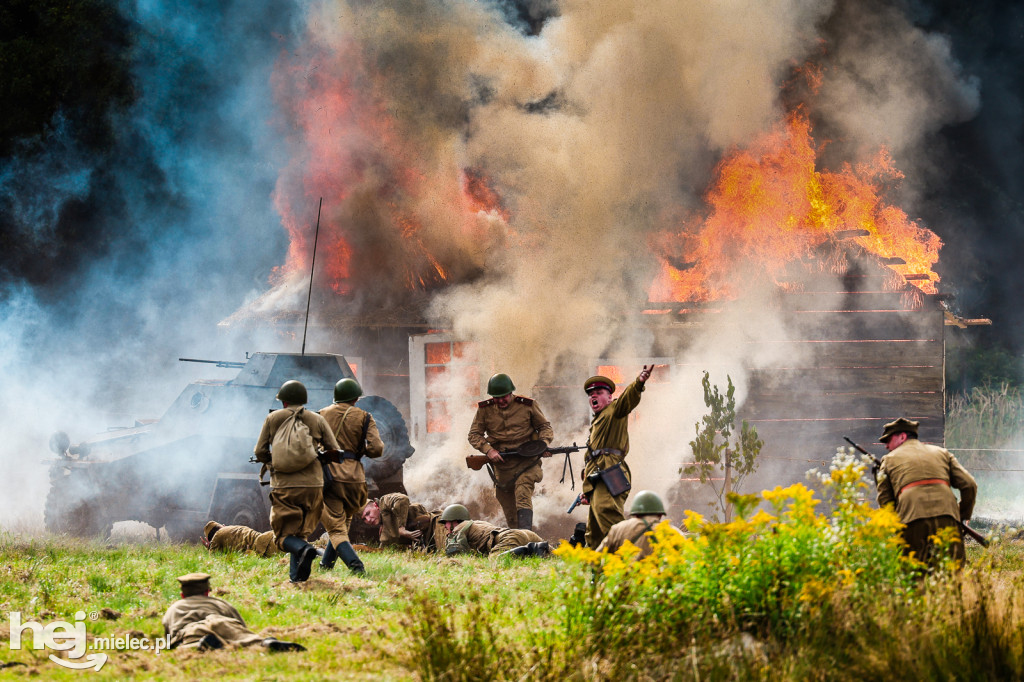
column 606, row 476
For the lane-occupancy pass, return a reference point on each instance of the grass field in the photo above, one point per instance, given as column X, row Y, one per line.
column 460, row 618
column 354, row 628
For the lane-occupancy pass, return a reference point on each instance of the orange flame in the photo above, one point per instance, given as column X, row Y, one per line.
column 769, row 206
column 374, row 180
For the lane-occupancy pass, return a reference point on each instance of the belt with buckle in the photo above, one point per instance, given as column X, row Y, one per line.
column 594, row 454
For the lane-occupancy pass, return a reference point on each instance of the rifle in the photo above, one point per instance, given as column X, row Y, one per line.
column 967, row 530
column 580, row 499
column 529, row 449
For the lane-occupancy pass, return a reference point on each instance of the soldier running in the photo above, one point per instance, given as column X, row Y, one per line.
column 296, row 498
column 607, row 448
column 503, row 423
column 465, row 535
column 345, row 492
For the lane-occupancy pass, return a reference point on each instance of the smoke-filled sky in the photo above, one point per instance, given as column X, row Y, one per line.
column 145, row 215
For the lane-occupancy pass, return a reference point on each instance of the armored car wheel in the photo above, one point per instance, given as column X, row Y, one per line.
column 243, row 508
column 393, row 432
column 71, row 507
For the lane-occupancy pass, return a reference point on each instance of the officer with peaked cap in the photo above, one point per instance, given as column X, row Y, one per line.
column 501, row 424
column 645, row 513
column 204, row 622
column 607, row 447
column 918, row 479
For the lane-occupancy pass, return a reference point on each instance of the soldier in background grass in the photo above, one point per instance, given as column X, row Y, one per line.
column 204, row 622
column 646, row 512
column 607, row 448
column 503, row 423
column 465, row 535
column 296, row 498
column 345, row 492
column 235, row 538
column 403, row 523
column 919, row 478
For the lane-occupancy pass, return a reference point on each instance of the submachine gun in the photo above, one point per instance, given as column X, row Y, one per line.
column 967, row 530
column 529, row 449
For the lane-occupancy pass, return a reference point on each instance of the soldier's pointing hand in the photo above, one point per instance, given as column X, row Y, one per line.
column 645, row 373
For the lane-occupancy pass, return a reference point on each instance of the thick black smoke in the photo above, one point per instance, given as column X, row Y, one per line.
column 133, row 216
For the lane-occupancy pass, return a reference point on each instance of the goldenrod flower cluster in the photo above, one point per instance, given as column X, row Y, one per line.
column 787, row 551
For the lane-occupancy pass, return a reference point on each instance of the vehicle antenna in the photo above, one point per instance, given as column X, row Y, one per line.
column 312, row 266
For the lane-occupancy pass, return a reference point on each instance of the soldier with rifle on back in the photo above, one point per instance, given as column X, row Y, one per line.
column 344, row 477
column 504, row 423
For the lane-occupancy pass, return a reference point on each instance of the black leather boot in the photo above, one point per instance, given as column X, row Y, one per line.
column 303, row 555
column 330, row 556
column 522, row 550
column 524, row 519
column 351, row 559
column 539, row 548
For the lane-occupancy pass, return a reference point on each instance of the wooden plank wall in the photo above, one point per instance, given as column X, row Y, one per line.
column 863, row 357
column 860, row 356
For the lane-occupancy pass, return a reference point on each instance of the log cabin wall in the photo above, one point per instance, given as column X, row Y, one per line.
column 861, row 354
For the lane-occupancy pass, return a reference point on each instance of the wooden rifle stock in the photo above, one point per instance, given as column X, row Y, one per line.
column 476, row 462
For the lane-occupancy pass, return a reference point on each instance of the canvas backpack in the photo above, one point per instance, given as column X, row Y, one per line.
column 292, row 447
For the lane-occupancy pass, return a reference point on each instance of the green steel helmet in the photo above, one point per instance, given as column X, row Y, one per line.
column 293, row 392
column 455, row 512
column 646, row 502
column 346, row 390
column 500, row 385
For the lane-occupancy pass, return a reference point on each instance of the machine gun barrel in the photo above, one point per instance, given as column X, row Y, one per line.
column 226, row 364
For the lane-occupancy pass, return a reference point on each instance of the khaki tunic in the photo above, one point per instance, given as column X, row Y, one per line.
column 346, row 494
column 243, row 539
column 311, row 476
column 488, row 539
column 635, row 530
column 296, row 498
column 397, row 511
column 188, row 620
column 609, row 429
column 916, row 461
column 926, row 508
column 506, row 429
